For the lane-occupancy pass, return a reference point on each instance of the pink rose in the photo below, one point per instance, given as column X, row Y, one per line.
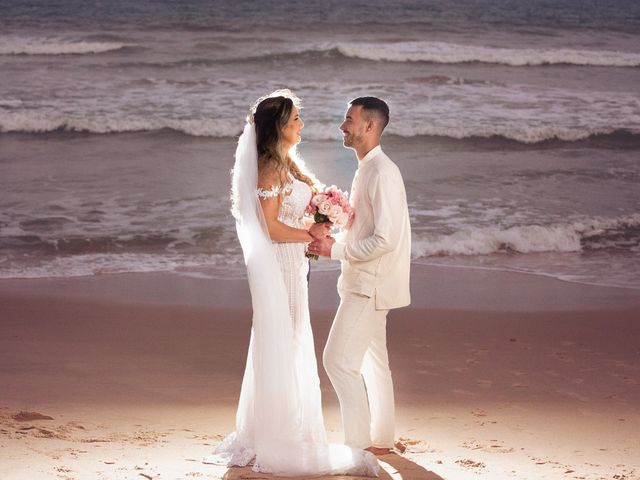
column 325, row 207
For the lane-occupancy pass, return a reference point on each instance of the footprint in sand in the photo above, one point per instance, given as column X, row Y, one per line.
column 471, row 445
column 626, row 475
column 499, row 447
column 468, row 463
column 494, row 446
column 44, row 433
column 25, row 416
column 76, row 425
column 59, row 432
column 415, row 446
column 481, row 418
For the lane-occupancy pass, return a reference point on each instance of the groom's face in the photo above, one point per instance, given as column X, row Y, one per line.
column 354, row 126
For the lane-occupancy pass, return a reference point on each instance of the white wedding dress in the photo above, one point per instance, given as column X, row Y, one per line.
column 279, row 422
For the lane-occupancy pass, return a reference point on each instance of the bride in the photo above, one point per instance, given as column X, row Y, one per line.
column 279, row 422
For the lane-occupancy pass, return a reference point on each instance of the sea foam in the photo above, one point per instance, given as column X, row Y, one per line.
column 101, row 264
column 569, row 237
column 34, row 121
column 442, row 52
column 52, row 46
column 45, row 121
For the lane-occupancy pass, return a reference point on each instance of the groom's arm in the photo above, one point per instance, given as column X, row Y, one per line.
column 386, row 194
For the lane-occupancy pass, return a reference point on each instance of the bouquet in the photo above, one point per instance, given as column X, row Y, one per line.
column 331, row 205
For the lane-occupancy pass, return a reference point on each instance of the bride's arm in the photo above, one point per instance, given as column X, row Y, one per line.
column 278, row 231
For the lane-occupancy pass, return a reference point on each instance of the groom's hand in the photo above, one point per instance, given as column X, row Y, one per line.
column 322, row 246
column 320, row 230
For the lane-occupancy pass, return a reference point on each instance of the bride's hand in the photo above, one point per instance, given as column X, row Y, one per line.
column 320, row 230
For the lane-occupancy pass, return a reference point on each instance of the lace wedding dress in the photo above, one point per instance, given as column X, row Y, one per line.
column 279, row 422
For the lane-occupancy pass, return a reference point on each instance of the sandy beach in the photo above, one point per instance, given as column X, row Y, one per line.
column 137, row 376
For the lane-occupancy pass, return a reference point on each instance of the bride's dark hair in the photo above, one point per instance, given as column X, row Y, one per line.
column 270, row 115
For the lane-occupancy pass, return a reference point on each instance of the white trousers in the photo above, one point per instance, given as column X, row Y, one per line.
column 357, row 363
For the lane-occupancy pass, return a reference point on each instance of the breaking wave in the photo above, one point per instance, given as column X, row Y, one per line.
column 33, row 121
column 587, row 234
column 442, row 52
column 44, row 46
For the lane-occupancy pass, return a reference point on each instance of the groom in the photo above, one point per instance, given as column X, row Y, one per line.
column 374, row 254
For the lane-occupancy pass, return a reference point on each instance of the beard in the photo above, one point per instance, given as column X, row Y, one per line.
column 351, row 140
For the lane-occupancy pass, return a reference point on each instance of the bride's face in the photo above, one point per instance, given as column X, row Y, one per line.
column 291, row 131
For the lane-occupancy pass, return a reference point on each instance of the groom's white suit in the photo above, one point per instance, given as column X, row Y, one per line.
column 375, row 257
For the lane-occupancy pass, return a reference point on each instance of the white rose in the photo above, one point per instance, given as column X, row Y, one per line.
column 324, row 207
column 318, row 199
column 334, row 212
column 341, row 220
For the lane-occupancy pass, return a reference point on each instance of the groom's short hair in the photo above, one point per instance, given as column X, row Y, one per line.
column 374, row 106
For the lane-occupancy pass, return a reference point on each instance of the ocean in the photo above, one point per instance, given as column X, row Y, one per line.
column 516, row 125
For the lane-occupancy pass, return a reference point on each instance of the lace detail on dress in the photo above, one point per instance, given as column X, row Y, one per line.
column 231, row 452
column 291, row 256
column 274, row 191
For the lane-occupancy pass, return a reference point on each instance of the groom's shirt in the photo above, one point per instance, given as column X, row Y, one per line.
column 375, row 252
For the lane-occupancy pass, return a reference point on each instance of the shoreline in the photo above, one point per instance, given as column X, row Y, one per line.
column 432, row 287
column 561, row 278
column 204, row 273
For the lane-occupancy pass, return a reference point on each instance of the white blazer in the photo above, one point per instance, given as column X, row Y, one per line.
column 375, row 253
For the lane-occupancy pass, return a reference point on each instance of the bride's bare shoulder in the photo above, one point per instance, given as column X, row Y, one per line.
column 268, row 175
column 269, row 181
